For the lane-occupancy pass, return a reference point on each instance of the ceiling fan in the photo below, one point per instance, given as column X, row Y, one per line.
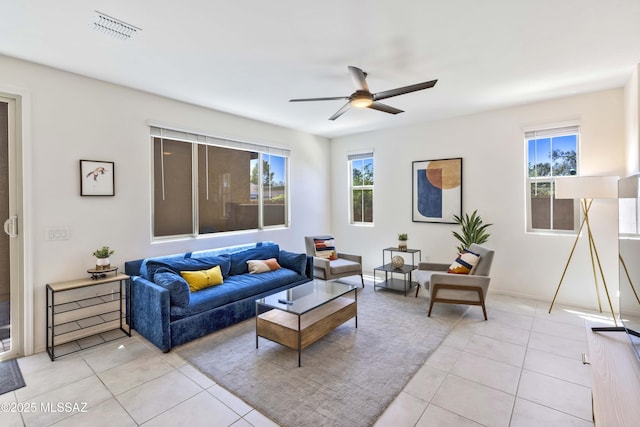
column 363, row 98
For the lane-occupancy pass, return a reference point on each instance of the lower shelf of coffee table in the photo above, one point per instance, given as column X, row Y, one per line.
column 285, row 328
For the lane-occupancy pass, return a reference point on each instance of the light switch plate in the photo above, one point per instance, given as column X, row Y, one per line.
column 57, row 233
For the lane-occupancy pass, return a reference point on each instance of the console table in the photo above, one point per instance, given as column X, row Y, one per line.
column 83, row 313
column 395, row 284
column 615, row 383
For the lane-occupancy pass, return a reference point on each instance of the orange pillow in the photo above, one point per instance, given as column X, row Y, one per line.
column 325, row 248
column 465, row 263
column 262, row 265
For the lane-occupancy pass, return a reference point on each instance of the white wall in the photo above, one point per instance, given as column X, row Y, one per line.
column 632, row 117
column 493, row 151
column 74, row 117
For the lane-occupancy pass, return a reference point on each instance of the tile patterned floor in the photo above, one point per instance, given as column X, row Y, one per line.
column 521, row 368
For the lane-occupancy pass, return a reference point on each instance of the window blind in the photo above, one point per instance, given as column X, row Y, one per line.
column 360, row 156
column 180, row 135
column 541, row 133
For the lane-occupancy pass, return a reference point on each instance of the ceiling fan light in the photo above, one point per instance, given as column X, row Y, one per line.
column 361, row 102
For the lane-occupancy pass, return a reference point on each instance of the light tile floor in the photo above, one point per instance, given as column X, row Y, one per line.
column 521, row 368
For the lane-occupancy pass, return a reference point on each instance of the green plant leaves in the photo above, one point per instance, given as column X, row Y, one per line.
column 103, row 252
column 473, row 230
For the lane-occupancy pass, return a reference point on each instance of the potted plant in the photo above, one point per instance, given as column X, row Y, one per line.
column 402, row 242
column 473, row 230
column 102, row 257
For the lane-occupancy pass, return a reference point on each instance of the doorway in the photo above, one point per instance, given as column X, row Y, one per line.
column 10, row 240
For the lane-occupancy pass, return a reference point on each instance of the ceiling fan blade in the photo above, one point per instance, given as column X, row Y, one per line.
column 333, row 98
column 341, row 111
column 386, row 108
column 402, row 90
column 358, row 76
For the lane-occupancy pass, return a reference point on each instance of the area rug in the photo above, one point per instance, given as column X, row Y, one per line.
column 347, row 378
column 10, row 376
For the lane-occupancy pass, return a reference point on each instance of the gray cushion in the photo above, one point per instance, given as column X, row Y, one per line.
column 341, row 266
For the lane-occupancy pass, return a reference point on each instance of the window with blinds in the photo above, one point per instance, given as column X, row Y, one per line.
column 204, row 184
column 551, row 152
column 361, row 179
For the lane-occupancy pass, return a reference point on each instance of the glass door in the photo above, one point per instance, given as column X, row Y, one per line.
column 9, row 242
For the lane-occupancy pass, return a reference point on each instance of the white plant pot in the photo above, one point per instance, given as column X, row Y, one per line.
column 103, row 263
column 402, row 245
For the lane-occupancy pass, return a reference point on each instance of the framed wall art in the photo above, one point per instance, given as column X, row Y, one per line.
column 97, row 178
column 437, row 190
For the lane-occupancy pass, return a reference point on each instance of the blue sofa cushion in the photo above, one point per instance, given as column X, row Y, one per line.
column 239, row 259
column 143, row 266
column 234, row 289
column 179, row 294
column 189, row 264
column 293, row 261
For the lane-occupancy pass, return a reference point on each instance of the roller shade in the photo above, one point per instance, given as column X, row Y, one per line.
column 179, row 135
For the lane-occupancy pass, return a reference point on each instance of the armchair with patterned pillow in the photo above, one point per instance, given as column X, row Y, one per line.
column 466, row 281
column 329, row 264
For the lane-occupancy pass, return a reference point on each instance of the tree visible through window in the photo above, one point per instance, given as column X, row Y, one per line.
column 550, row 153
column 361, row 187
column 273, row 187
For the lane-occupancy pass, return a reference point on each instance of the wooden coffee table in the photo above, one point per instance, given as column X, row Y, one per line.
column 300, row 316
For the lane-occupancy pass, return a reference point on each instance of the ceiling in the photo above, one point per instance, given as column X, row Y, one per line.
column 249, row 57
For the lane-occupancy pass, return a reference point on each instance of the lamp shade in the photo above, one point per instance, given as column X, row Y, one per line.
column 587, row 187
column 629, row 187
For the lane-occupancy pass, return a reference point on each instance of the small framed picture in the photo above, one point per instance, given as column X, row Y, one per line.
column 97, row 178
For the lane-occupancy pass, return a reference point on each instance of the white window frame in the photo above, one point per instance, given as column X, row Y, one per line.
column 542, row 132
column 360, row 155
column 163, row 132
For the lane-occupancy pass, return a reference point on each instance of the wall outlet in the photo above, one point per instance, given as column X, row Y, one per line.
column 57, row 233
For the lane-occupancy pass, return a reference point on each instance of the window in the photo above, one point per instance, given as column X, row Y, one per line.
column 204, row 185
column 550, row 153
column 361, row 188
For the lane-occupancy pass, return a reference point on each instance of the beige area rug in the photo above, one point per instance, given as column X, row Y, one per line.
column 347, row 378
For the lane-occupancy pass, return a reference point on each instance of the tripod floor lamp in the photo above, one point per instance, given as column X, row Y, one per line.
column 587, row 188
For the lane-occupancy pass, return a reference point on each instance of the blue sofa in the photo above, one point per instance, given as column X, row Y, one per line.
column 168, row 314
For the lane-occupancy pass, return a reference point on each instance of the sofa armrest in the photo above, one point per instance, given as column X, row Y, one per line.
column 433, row 266
column 151, row 312
column 354, row 258
column 309, row 267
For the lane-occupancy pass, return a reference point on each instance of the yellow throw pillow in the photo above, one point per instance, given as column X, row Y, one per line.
column 202, row 279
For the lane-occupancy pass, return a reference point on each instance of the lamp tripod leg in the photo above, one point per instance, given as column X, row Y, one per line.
column 592, row 248
column 604, row 282
column 564, row 272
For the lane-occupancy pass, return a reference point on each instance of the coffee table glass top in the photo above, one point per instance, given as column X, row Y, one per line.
column 303, row 298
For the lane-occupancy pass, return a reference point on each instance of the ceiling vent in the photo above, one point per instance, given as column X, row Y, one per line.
column 113, row 27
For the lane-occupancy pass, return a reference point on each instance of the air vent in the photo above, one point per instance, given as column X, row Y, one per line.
column 113, row 27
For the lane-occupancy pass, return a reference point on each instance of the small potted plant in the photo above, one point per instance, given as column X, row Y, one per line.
column 102, row 257
column 402, row 242
column 473, row 230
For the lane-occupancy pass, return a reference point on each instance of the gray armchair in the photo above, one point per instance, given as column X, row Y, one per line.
column 346, row 264
column 470, row 289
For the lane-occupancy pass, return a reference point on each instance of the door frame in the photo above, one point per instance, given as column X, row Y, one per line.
column 22, row 331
